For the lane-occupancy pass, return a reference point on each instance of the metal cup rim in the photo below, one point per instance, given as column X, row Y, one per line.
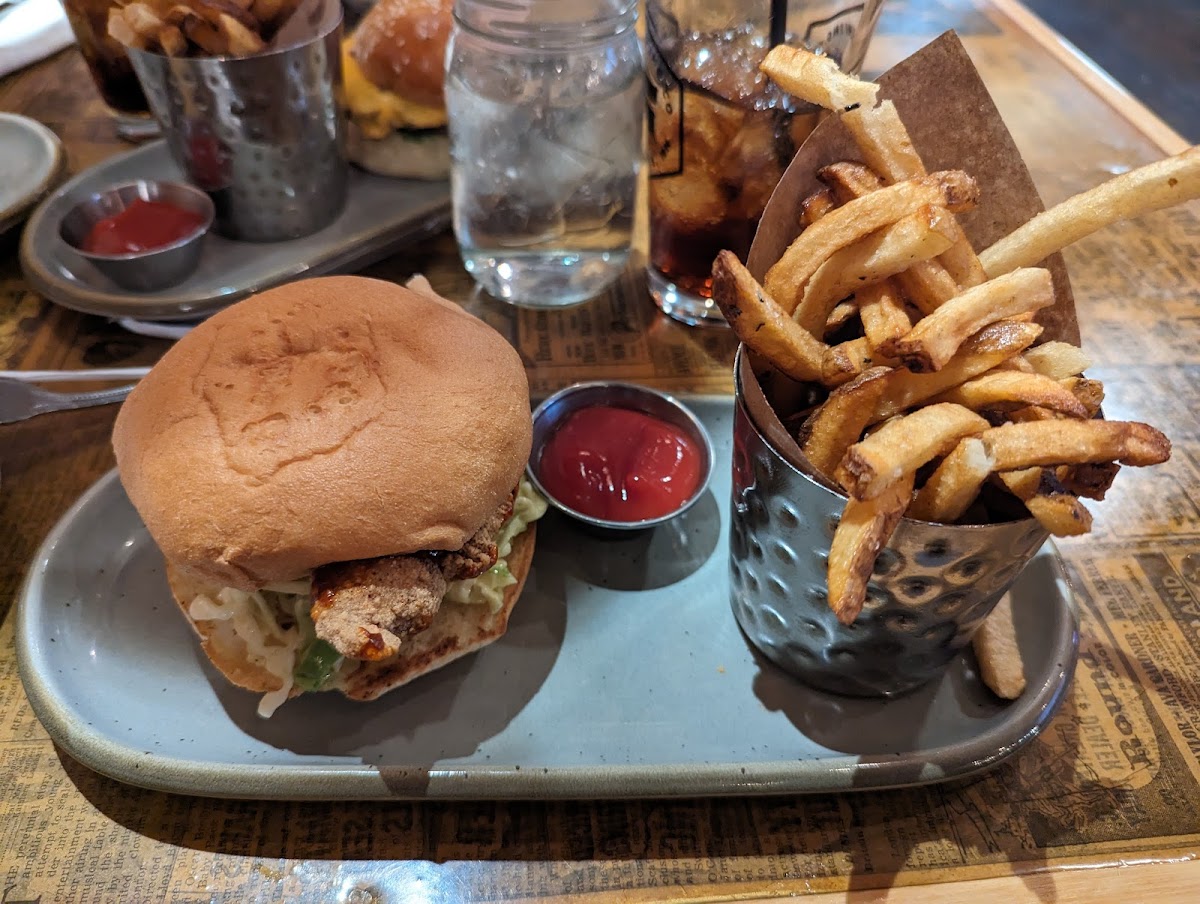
column 697, row 431
column 207, row 208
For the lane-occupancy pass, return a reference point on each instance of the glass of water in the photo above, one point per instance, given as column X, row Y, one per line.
column 545, row 101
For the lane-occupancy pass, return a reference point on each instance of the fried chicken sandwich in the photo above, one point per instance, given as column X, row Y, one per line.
column 333, row 472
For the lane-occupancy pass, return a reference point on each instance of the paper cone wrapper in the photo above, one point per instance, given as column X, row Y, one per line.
column 954, row 124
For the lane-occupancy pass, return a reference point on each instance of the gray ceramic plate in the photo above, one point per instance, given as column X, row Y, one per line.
column 380, row 214
column 623, row 674
column 31, row 161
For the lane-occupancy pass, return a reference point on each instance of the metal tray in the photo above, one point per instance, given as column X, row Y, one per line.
column 623, row 674
column 380, row 215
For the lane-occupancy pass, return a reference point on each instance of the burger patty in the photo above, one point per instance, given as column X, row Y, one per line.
column 367, row 608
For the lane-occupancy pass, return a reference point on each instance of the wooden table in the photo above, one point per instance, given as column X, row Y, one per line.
column 1112, row 785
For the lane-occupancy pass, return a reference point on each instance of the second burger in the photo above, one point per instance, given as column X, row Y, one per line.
column 393, row 73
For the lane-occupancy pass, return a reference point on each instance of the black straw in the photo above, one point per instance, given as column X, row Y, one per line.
column 779, row 11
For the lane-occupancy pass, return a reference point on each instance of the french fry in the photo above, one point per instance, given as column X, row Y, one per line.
column 963, row 264
column 849, row 180
column 987, row 349
column 142, row 19
column 884, row 142
column 1017, row 363
column 816, row 79
column 864, row 529
column 1090, row 480
column 927, row 283
column 918, row 236
column 1010, row 389
column 1163, row 183
column 848, row 359
column 760, row 323
column 122, row 32
column 998, row 653
column 1058, row 360
column 904, row 444
column 934, row 339
column 1058, row 511
column 845, row 225
column 1089, row 393
column 1058, row 442
column 205, row 35
column 954, row 484
column 242, row 41
column 884, row 319
column 842, row 313
column 839, row 422
column 172, row 41
column 816, row 206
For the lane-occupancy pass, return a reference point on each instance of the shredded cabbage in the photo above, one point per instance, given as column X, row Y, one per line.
column 281, row 650
column 488, row 588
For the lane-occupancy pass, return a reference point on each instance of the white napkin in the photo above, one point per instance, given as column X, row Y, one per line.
column 31, row 32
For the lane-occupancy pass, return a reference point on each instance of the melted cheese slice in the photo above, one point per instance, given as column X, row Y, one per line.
column 378, row 112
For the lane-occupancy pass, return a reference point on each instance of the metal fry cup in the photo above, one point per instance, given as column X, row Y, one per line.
column 933, row 584
column 262, row 135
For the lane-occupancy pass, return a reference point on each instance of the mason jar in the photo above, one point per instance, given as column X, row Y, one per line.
column 545, row 102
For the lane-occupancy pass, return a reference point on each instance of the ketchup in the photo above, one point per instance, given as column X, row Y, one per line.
column 619, row 465
column 142, row 226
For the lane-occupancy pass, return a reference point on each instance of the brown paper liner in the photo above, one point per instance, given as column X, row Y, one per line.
column 954, row 124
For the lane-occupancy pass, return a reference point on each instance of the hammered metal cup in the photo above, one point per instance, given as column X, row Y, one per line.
column 933, row 585
column 262, row 135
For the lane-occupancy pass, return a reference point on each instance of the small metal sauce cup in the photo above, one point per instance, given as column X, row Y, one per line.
column 141, row 271
column 554, row 411
column 933, row 584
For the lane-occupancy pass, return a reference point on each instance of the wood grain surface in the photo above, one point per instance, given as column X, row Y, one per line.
column 1102, row 807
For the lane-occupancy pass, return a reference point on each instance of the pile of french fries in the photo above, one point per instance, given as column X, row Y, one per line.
column 938, row 392
column 183, row 28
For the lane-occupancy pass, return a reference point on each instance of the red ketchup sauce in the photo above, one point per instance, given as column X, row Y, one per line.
column 619, row 465
column 142, row 226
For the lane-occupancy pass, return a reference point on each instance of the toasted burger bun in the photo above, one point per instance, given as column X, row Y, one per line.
column 323, row 421
column 401, row 47
column 457, row 630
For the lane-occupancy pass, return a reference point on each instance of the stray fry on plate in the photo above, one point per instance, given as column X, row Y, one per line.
column 999, row 654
